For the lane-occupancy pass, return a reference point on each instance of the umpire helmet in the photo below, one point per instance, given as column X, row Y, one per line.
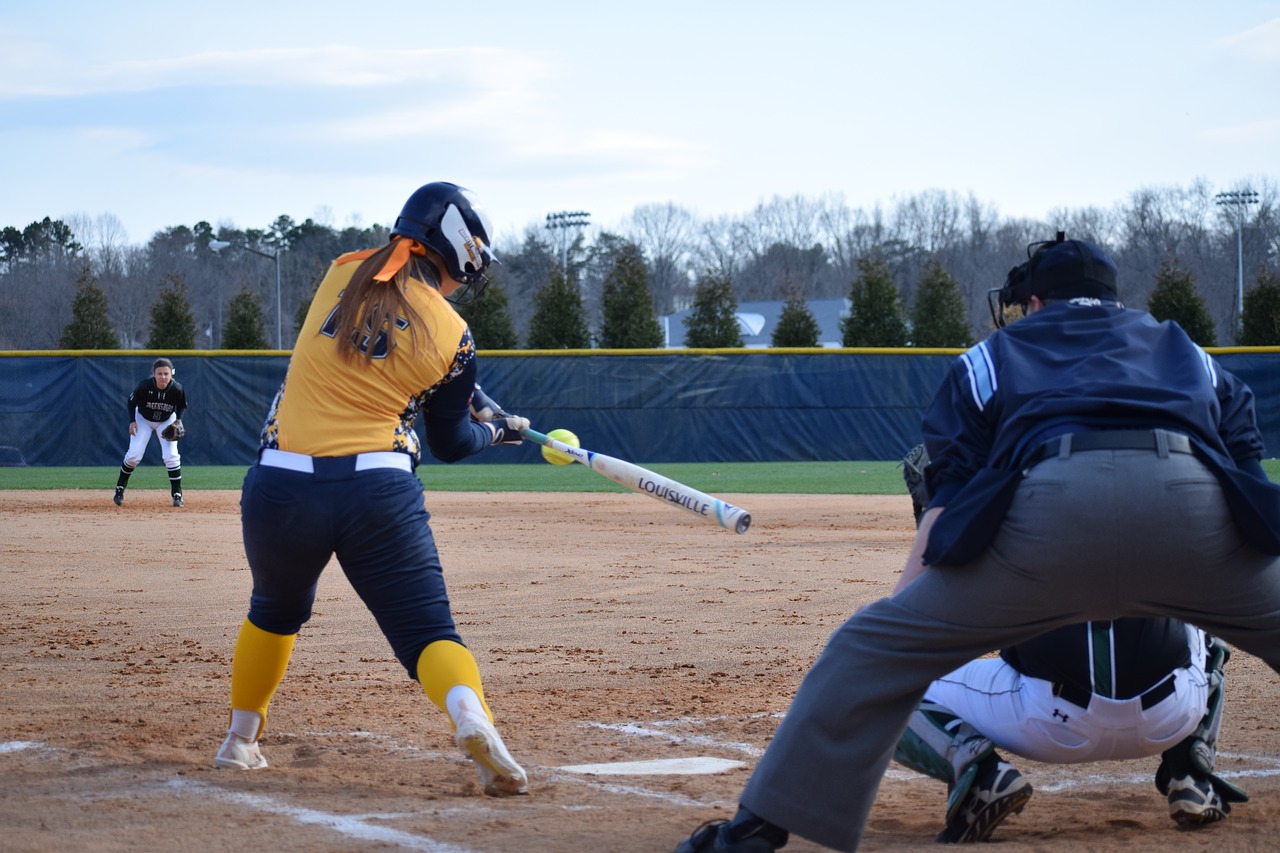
column 450, row 221
column 1056, row 269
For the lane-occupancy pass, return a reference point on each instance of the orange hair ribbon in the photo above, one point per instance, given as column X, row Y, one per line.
column 403, row 247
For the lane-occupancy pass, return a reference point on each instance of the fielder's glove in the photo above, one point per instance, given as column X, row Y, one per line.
column 913, row 466
column 483, row 408
column 506, row 430
column 173, row 431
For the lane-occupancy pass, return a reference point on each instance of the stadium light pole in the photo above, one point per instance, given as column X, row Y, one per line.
column 1240, row 201
column 562, row 221
column 219, row 245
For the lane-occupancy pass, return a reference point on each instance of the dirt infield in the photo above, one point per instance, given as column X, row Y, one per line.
column 609, row 628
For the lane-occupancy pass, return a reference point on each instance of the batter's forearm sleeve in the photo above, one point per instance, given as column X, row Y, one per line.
column 451, row 434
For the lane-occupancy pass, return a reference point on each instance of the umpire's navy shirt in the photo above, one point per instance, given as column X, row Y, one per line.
column 1075, row 366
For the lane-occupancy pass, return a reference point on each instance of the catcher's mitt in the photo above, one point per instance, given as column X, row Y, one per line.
column 913, row 465
column 173, row 431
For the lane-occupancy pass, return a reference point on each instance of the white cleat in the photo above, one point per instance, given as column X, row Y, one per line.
column 1194, row 802
column 479, row 741
column 236, row 753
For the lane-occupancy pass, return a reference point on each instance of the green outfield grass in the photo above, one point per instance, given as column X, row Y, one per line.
column 818, row 478
column 810, row 478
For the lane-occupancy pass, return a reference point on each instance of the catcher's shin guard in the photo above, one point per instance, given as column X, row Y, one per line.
column 1197, row 753
column 942, row 746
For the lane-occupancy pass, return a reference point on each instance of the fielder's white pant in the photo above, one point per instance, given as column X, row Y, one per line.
column 142, row 437
column 1021, row 715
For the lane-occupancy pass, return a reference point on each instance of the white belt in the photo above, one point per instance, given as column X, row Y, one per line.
column 305, row 464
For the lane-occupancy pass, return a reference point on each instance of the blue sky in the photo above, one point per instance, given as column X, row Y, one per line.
column 163, row 114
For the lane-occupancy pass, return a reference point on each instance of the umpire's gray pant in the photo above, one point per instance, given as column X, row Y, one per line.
column 1098, row 535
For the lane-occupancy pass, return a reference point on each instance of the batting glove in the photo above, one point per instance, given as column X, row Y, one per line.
column 483, row 407
column 506, row 430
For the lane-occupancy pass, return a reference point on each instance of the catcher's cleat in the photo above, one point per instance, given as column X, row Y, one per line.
column 119, row 496
column 236, row 753
column 759, row 836
column 479, row 741
column 1194, row 802
column 998, row 791
column 177, row 499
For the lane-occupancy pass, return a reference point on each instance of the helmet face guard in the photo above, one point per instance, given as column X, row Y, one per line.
column 1000, row 299
column 450, row 220
column 1055, row 269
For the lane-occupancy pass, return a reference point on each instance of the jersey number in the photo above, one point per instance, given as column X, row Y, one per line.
column 330, row 329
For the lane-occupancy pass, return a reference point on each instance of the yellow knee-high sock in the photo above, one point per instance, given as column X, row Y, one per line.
column 445, row 664
column 257, row 668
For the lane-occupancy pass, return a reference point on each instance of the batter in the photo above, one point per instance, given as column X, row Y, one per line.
column 381, row 344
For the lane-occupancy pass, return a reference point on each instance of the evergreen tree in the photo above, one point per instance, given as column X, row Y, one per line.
column 1260, row 326
column 630, row 321
column 90, row 327
column 713, row 322
column 559, row 318
column 173, row 326
column 875, row 317
column 940, row 318
column 797, row 327
column 1175, row 298
column 489, row 317
column 246, row 328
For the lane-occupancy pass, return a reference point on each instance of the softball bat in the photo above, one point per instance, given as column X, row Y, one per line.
column 656, row 486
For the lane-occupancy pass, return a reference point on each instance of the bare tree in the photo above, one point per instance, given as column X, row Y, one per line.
column 666, row 233
column 724, row 250
column 131, row 296
column 930, row 221
column 849, row 235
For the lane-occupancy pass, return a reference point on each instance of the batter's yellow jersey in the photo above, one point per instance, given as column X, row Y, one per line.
column 331, row 406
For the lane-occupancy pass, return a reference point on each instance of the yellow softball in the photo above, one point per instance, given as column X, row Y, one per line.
column 555, row 457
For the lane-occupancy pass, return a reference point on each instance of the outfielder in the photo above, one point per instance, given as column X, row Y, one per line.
column 1095, row 691
column 155, row 406
column 335, row 473
column 1088, row 463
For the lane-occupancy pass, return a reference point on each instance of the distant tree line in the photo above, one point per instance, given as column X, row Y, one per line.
column 915, row 274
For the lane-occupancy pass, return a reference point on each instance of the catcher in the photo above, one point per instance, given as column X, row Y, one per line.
column 155, row 406
column 1094, row 691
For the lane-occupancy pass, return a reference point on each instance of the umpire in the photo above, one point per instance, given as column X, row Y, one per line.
column 1088, row 463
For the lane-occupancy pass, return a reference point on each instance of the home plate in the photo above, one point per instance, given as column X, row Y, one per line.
column 659, row 767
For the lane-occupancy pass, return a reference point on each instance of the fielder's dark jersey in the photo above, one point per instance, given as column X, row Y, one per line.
column 155, row 405
column 1076, row 366
column 1117, row 660
column 329, row 406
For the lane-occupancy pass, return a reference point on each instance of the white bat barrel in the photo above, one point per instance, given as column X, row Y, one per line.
column 654, row 485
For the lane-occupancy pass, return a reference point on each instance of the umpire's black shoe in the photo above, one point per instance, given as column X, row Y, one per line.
column 746, row 833
column 998, row 791
column 177, row 499
column 119, row 496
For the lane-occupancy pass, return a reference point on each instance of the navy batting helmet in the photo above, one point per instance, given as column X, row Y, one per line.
column 450, row 221
column 1056, row 269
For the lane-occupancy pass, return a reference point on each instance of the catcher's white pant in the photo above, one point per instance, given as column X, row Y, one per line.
column 1021, row 715
column 142, row 437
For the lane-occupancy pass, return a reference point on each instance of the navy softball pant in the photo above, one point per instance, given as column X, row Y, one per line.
column 374, row 521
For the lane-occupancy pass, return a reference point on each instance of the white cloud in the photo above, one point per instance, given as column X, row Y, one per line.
column 1249, row 133
column 332, row 66
column 1260, row 42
